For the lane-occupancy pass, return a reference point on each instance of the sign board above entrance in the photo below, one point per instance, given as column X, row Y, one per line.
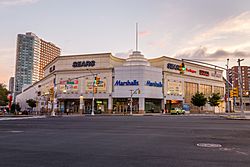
column 83, row 64
column 127, row 83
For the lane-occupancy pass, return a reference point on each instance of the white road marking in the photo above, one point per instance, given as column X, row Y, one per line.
column 16, row 131
column 19, row 118
column 209, row 145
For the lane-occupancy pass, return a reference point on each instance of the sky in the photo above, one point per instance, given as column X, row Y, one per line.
column 211, row 31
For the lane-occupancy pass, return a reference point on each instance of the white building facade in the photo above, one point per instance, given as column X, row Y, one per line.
column 148, row 85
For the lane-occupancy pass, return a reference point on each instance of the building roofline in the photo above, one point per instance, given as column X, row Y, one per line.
column 190, row 63
column 75, row 55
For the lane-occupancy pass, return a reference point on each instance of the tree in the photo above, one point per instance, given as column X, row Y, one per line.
column 31, row 103
column 214, row 99
column 3, row 95
column 199, row 100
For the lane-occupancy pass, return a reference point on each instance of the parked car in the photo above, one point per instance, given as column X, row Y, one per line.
column 177, row 111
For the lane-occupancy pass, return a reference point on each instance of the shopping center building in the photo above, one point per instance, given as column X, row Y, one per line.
column 155, row 85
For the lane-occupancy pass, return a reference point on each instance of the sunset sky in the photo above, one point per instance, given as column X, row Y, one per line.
column 205, row 30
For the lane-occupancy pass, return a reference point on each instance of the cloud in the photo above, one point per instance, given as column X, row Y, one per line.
column 124, row 55
column 202, row 54
column 144, row 33
column 16, row 2
column 229, row 33
column 162, row 42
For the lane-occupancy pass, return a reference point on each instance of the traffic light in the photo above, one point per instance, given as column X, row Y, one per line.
column 231, row 93
column 182, row 68
column 235, row 92
column 97, row 80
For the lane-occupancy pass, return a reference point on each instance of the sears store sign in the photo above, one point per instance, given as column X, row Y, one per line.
column 83, row 64
column 173, row 66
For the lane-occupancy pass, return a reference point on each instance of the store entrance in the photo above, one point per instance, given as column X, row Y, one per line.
column 173, row 104
column 69, row 106
column 122, row 105
column 100, row 107
column 153, row 105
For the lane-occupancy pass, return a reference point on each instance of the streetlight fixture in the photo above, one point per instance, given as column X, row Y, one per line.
column 132, row 92
column 240, row 85
column 54, row 102
column 228, row 97
column 93, row 90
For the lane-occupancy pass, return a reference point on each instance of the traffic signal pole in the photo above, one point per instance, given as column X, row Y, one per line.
column 132, row 92
column 228, row 109
column 240, row 85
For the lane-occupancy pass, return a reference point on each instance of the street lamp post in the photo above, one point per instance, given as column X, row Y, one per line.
column 240, row 85
column 54, row 103
column 93, row 90
column 228, row 97
column 132, row 92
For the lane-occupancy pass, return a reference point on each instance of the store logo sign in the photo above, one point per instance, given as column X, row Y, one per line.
column 217, row 75
column 204, row 73
column 190, row 70
column 177, row 67
column 83, row 64
column 172, row 66
column 127, row 83
column 154, row 84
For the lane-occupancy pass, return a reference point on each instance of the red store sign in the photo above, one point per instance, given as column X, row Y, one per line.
column 190, row 70
column 204, row 73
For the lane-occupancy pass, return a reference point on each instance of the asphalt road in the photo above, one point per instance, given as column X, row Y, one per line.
column 124, row 141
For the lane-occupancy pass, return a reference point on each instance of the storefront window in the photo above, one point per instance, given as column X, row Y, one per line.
column 174, row 88
column 152, row 105
column 205, row 89
column 190, row 90
column 122, row 105
column 219, row 90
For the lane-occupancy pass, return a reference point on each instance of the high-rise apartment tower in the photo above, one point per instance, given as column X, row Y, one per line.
column 233, row 78
column 32, row 55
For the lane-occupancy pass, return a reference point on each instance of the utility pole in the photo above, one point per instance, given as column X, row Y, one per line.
column 93, row 97
column 228, row 97
column 240, row 85
column 132, row 92
column 54, row 102
column 131, row 102
column 93, row 89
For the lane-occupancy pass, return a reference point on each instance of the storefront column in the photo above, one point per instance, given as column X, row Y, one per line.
column 141, row 105
column 110, row 105
column 81, row 107
column 164, row 102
